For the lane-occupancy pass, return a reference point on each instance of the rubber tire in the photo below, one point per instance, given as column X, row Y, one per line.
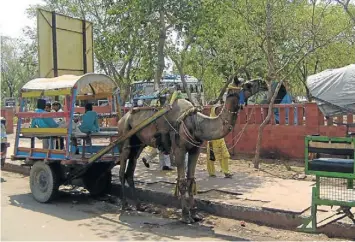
column 99, row 187
column 53, row 182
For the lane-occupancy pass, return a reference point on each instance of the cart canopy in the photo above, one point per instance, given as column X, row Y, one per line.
column 334, row 90
column 88, row 83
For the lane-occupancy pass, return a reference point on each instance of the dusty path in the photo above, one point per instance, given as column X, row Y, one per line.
column 77, row 217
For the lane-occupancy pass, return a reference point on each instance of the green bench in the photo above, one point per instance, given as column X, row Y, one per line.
column 334, row 174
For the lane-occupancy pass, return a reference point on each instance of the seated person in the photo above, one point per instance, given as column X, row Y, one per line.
column 90, row 120
column 48, row 107
column 57, row 107
column 43, row 122
column 89, row 124
column 75, row 127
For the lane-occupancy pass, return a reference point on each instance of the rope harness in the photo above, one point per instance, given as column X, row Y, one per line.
column 198, row 144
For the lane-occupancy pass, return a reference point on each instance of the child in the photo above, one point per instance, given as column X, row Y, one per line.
column 89, row 124
column 90, row 120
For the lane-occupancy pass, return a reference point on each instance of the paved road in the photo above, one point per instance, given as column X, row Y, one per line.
column 75, row 216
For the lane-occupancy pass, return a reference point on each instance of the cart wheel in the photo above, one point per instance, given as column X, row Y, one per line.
column 44, row 182
column 98, row 185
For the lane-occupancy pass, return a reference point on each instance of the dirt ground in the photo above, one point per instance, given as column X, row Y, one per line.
column 76, row 216
column 283, row 169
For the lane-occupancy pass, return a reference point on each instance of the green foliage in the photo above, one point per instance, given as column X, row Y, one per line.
column 18, row 66
column 219, row 39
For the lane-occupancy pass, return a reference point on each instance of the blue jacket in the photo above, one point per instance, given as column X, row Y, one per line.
column 286, row 100
column 90, row 122
column 43, row 122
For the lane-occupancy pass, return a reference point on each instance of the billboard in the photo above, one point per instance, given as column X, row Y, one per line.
column 65, row 45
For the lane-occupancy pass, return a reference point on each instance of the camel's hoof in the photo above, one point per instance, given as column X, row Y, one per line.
column 228, row 175
column 141, row 208
column 197, row 217
column 125, row 207
column 187, row 220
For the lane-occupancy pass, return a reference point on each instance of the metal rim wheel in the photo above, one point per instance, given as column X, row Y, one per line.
column 43, row 182
column 99, row 185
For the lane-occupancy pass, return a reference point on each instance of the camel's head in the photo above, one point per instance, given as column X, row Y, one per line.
column 252, row 87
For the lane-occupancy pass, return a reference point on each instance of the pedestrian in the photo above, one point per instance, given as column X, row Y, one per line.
column 164, row 159
column 217, row 150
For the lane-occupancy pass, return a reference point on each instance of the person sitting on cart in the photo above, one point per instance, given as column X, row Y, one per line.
column 90, row 120
column 48, row 107
column 89, row 124
column 43, row 122
column 76, row 130
column 57, row 107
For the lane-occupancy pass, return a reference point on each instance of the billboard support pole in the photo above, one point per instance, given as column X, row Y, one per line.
column 84, row 47
column 54, row 44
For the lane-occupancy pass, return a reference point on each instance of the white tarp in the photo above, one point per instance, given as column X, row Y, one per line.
column 336, row 87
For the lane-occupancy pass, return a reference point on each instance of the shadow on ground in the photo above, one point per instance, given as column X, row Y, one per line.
column 157, row 179
column 108, row 221
column 136, row 225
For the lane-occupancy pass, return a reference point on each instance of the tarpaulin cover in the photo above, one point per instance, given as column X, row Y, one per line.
column 335, row 89
column 88, row 83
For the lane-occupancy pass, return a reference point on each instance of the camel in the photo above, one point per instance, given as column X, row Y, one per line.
column 183, row 130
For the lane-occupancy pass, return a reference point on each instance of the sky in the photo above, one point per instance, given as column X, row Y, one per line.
column 13, row 17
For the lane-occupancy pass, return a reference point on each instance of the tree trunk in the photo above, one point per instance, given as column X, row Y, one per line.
column 161, row 44
column 270, row 77
column 182, row 75
column 125, row 93
column 262, row 126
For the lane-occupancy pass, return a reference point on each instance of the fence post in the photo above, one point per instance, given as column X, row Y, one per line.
column 312, row 118
column 9, row 113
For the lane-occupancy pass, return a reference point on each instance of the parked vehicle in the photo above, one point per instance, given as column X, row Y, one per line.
column 88, row 164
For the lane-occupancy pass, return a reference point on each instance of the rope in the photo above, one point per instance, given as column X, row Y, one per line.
column 242, row 131
column 172, row 127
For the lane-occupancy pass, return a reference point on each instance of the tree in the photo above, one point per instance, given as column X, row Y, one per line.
column 223, row 49
column 285, row 38
column 339, row 52
column 348, row 8
column 18, row 65
column 186, row 22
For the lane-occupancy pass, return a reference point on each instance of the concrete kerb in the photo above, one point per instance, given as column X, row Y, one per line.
column 256, row 215
column 24, row 170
